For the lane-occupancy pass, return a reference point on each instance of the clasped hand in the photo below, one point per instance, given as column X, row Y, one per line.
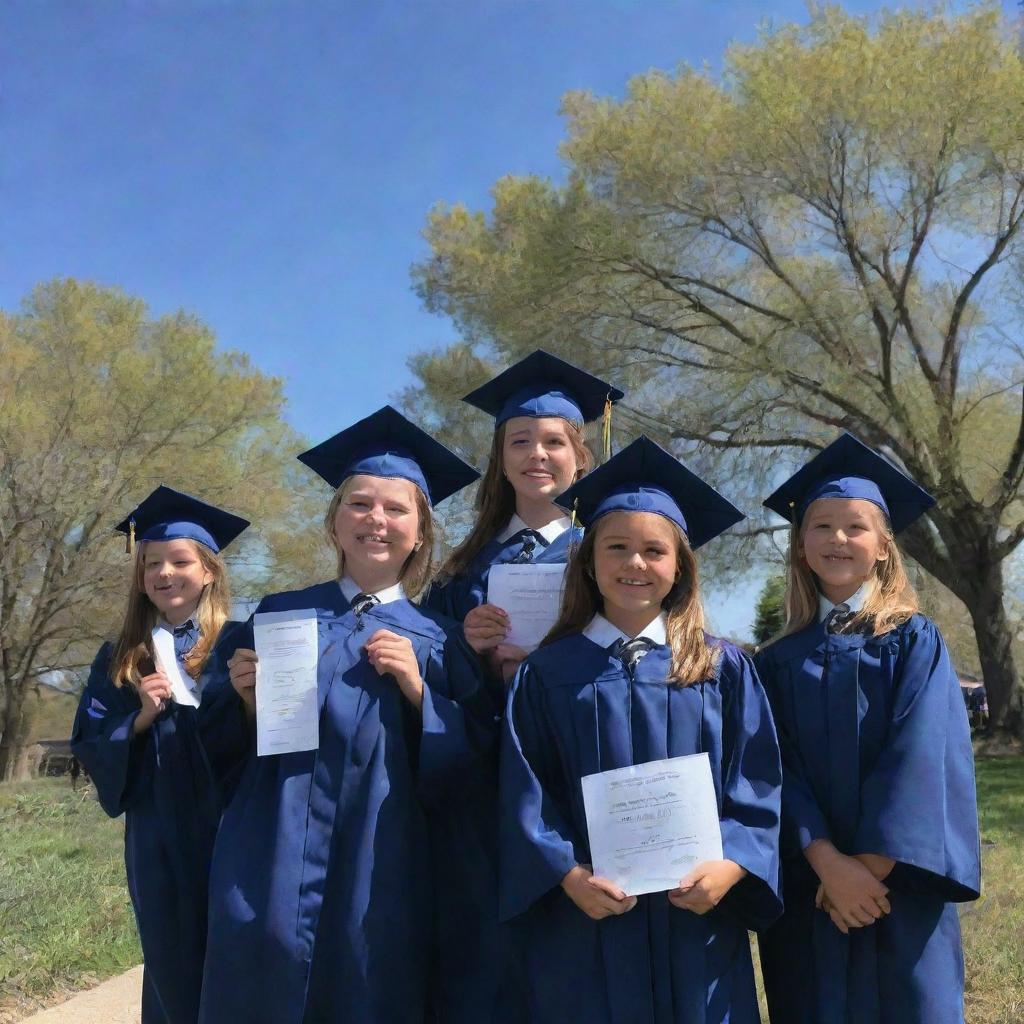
column 851, row 891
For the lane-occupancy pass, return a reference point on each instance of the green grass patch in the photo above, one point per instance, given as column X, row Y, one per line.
column 66, row 921
column 994, row 926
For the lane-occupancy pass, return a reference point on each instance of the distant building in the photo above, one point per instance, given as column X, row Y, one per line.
column 54, row 758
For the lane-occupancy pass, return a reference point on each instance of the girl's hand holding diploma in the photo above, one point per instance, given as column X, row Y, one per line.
column 485, row 627
column 596, row 897
column 154, row 689
column 508, row 658
column 242, row 671
column 391, row 654
column 705, row 886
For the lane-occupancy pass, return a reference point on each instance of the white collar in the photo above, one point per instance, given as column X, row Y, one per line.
column 604, row 634
column 350, row 588
column 549, row 532
column 854, row 602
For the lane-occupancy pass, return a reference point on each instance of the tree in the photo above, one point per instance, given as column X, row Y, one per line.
column 770, row 610
column 826, row 237
column 98, row 404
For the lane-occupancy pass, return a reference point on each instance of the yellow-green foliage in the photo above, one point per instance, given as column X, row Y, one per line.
column 826, row 235
column 99, row 402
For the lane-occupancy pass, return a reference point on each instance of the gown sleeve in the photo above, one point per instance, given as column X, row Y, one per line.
column 918, row 802
column 225, row 729
column 751, row 795
column 538, row 844
column 120, row 765
column 460, row 719
column 803, row 821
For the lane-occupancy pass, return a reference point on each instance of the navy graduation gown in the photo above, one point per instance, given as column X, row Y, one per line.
column 161, row 780
column 877, row 758
column 320, row 892
column 573, row 711
column 479, row 974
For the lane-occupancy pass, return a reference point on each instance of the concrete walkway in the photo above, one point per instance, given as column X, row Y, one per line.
column 117, row 1001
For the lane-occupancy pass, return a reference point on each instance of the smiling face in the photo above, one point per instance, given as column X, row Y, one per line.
column 842, row 540
column 173, row 577
column 538, row 457
column 635, row 565
column 376, row 527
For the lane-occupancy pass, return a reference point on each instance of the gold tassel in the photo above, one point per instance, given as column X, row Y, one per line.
column 606, row 428
column 129, row 544
column 573, row 523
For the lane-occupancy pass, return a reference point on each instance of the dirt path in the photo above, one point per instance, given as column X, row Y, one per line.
column 117, row 1001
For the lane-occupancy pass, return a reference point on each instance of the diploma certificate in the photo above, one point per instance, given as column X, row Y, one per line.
column 287, row 716
column 167, row 661
column 650, row 824
column 531, row 595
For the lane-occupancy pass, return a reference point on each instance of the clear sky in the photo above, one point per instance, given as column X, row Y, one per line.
column 268, row 164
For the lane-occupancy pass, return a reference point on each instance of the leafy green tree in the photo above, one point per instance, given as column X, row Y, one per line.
column 825, row 237
column 770, row 610
column 99, row 403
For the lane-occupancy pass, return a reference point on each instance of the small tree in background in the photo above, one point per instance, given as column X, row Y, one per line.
column 99, row 403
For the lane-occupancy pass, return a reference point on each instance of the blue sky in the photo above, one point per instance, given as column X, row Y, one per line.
column 269, row 165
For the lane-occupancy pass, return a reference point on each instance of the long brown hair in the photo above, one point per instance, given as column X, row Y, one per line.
column 496, row 499
column 693, row 658
column 133, row 654
column 890, row 597
column 416, row 570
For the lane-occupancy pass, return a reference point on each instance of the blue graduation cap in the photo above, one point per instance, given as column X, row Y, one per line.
column 848, row 468
column 387, row 444
column 643, row 477
column 167, row 514
column 544, row 385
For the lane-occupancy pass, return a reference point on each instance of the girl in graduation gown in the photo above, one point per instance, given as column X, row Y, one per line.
column 143, row 746
column 540, row 406
column 880, row 832
column 628, row 676
column 320, row 894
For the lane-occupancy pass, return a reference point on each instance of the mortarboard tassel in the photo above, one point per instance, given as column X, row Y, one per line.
column 573, row 523
column 129, row 544
column 606, row 428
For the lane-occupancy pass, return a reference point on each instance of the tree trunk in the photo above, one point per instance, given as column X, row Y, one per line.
column 13, row 736
column 995, row 650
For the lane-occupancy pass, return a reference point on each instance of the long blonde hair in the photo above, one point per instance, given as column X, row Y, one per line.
column 133, row 654
column 694, row 659
column 890, row 598
column 416, row 570
column 496, row 499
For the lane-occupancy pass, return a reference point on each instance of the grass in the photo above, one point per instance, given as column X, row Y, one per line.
column 994, row 926
column 66, row 921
